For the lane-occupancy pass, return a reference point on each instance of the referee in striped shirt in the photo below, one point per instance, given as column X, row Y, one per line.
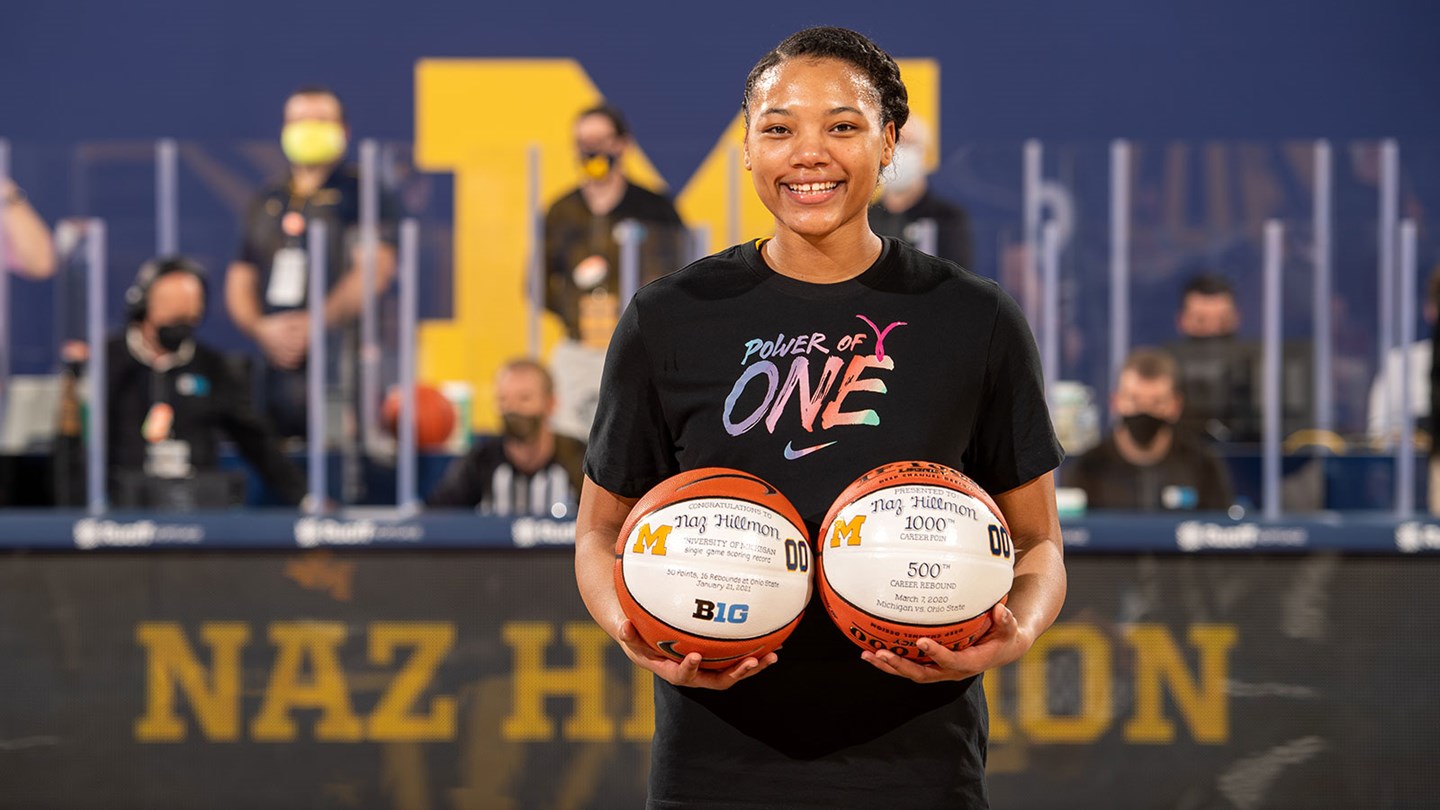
column 526, row 470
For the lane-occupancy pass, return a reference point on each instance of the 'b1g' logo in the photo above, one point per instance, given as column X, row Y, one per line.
column 708, row 611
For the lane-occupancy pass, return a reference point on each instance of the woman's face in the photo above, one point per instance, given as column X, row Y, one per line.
column 815, row 145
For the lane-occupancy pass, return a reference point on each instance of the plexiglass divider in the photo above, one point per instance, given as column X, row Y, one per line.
column 5, row 320
column 732, row 195
column 1120, row 183
column 535, row 272
column 370, row 352
column 167, row 197
column 1050, row 307
column 316, row 435
column 1385, row 234
column 406, row 494
column 1322, row 217
column 96, row 255
column 1270, row 345
column 1405, row 447
column 1032, row 189
column 629, row 235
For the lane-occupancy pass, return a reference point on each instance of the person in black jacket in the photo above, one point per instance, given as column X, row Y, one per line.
column 582, row 255
column 170, row 399
column 1150, row 462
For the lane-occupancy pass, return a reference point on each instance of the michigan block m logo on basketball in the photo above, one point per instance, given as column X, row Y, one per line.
column 849, row 532
column 654, row 540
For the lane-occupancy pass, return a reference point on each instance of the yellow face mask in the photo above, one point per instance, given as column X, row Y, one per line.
column 313, row 143
column 596, row 166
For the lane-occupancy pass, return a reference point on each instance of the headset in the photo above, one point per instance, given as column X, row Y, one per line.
column 137, row 297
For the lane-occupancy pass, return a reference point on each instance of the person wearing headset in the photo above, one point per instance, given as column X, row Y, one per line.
column 170, row 398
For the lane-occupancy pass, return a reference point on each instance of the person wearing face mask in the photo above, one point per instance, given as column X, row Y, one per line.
column 170, row 399
column 266, row 284
column 1148, row 463
column 528, row 469
column 582, row 259
column 581, row 254
column 907, row 199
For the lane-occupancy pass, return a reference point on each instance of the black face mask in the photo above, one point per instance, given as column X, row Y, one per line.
column 1143, row 427
column 521, row 426
column 172, row 336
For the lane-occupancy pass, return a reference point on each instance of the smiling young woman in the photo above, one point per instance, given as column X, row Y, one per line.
column 816, row 142
column 807, row 359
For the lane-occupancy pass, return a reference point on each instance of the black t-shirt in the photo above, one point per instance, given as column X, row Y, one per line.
column 952, row 226
column 208, row 399
column 728, row 363
column 486, row 480
column 1188, row 477
column 573, row 233
column 336, row 203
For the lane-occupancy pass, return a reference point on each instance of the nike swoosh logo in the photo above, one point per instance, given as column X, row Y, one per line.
column 792, row 454
column 668, row 647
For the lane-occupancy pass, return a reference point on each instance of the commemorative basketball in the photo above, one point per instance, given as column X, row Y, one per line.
column 714, row 561
column 913, row 550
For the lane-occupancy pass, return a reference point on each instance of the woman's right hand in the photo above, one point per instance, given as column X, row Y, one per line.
column 598, row 523
column 688, row 671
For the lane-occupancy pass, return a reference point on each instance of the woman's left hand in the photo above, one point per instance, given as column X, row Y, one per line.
column 1001, row 644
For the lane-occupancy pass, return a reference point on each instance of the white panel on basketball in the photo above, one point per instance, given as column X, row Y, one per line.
column 925, row 555
column 747, row 562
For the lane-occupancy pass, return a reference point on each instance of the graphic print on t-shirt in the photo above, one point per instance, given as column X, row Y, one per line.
column 816, row 370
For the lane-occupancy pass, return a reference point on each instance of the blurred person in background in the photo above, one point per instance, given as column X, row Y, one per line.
column 1208, row 310
column 170, row 399
column 29, row 250
column 266, row 285
column 527, row 469
column 907, row 198
column 581, row 254
column 1149, row 463
column 582, row 259
column 1217, row 372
